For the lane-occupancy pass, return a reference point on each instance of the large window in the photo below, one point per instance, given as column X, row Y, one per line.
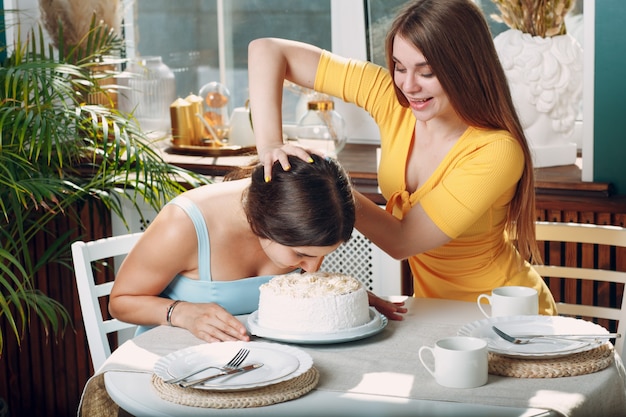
column 207, row 40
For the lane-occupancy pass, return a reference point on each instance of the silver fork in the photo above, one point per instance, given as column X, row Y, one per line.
column 231, row 368
column 234, row 363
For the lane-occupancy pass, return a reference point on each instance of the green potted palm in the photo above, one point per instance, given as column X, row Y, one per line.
column 57, row 153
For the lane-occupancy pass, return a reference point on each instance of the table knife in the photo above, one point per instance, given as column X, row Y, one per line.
column 571, row 336
column 243, row 369
column 522, row 339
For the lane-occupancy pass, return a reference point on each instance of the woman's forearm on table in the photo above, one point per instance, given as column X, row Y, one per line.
column 145, row 310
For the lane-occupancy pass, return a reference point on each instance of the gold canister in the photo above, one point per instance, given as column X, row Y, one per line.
column 195, row 103
column 182, row 126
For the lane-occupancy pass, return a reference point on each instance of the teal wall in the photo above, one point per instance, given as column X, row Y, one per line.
column 3, row 42
column 609, row 159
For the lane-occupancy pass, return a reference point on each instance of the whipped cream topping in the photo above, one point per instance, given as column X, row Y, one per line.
column 310, row 285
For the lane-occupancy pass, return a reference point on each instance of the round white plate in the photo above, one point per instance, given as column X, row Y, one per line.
column 376, row 324
column 540, row 348
column 280, row 363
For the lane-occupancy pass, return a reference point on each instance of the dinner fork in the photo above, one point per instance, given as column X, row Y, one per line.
column 230, row 369
column 234, row 363
column 524, row 339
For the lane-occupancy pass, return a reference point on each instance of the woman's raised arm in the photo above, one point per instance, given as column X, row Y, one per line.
column 271, row 61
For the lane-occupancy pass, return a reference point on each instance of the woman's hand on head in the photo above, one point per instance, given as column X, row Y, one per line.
column 270, row 154
column 209, row 322
column 392, row 310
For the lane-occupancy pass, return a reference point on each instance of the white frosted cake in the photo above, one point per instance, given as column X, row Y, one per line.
column 313, row 302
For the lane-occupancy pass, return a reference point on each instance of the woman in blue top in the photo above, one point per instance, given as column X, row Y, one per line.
column 213, row 246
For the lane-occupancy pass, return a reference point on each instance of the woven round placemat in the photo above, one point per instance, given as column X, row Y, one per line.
column 581, row 363
column 271, row 394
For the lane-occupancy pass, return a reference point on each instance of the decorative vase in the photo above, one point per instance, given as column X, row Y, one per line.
column 102, row 73
column 151, row 90
column 546, row 80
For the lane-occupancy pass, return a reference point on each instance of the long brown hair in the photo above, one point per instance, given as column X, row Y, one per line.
column 310, row 205
column 455, row 40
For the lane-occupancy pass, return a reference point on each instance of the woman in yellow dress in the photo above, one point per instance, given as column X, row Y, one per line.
column 455, row 167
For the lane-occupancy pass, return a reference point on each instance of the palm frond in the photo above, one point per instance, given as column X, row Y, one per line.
column 58, row 151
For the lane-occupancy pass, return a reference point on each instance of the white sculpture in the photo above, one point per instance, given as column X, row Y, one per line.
column 546, row 79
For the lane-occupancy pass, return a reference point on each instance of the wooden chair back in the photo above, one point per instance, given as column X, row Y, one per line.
column 585, row 272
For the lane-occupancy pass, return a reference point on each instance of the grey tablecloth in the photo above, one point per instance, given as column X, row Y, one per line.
column 388, row 364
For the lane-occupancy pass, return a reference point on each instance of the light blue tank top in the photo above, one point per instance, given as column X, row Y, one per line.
column 237, row 297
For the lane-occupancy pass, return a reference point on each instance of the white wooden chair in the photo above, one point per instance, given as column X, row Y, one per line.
column 84, row 255
column 593, row 235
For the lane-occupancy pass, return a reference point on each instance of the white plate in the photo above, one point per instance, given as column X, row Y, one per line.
column 280, row 363
column 541, row 348
column 376, row 324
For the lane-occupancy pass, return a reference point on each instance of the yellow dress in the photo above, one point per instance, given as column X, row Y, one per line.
column 467, row 196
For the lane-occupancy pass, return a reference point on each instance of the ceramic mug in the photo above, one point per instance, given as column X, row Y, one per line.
column 241, row 128
column 460, row 361
column 510, row 301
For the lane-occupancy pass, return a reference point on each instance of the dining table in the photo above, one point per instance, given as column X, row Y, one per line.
column 377, row 375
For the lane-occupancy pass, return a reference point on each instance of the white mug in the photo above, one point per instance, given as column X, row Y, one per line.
column 510, row 301
column 241, row 128
column 460, row 362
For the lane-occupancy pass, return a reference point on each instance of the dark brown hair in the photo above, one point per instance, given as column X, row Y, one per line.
column 454, row 38
column 309, row 205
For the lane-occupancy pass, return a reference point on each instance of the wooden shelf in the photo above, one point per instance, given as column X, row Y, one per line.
column 567, row 180
column 556, row 187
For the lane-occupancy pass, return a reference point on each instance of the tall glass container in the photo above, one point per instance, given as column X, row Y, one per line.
column 215, row 107
column 151, row 91
column 322, row 128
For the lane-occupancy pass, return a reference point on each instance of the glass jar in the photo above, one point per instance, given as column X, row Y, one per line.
column 322, row 128
column 215, row 107
column 151, row 91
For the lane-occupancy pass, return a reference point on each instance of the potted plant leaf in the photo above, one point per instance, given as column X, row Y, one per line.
column 58, row 152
